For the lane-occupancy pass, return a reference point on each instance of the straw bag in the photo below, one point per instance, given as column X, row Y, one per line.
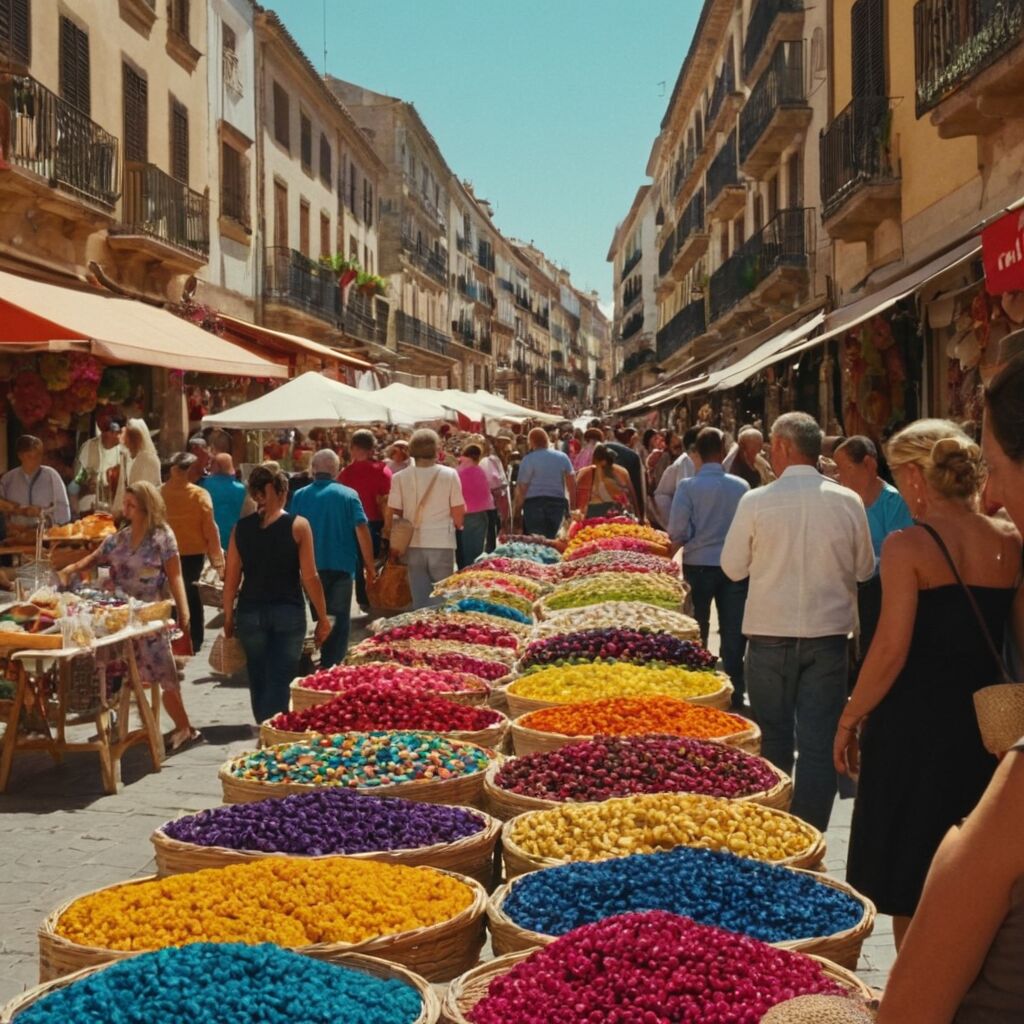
column 390, row 590
column 402, row 529
column 227, row 655
column 1000, row 708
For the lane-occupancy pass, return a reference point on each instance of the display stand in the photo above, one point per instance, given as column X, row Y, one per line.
column 30, row 694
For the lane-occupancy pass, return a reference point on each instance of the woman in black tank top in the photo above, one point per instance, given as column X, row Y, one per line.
column 271, row 556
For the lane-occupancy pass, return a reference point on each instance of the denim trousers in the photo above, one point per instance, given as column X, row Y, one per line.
column 708, row 583
column 427, row 566
column 471, row 538
column 797, row 691
column 272, row 636
column 544, row 515
column 338, row 598
column 361, row 599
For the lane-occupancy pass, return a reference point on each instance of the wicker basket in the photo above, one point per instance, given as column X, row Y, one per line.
column 369, row 651
column 720, row 698
column 466, row 991
column 472, row 855
column 842, row 948
column 505, row 805
column 517, row 861
column 1000, row 711
column 302, row 698
column 227, row 656
column 438, row 952
column 462, row 790
column 429, row 1014
column 533, row 741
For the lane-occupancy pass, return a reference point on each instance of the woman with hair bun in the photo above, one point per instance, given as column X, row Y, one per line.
column 910, row 723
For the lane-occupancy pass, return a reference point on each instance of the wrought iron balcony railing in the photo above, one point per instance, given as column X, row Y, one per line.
column 360, row 321
column 162, row 207
column 724, row 169
column 433, row 264
column 632, row 325
column 411, row 331
column 291, row 279
column 687, row 324
column 856, row 148
column 782, row 85
column 631, row 261
column 692, row 220
column 725, row 84
column 762, row 17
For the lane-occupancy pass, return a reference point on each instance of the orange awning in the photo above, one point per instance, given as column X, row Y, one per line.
column 36, row 315
column 283, row 341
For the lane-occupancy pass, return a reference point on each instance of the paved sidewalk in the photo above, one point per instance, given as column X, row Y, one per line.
column 62, row 836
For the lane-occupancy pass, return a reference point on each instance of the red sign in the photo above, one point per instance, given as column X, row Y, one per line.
column 1002, row 249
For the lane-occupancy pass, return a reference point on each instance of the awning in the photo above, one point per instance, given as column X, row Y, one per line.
column 502, row 409
column 409, row 405
column 256, row 334
column 764, row 355
column 118, row 330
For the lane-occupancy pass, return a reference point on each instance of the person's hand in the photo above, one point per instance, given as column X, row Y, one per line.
column 369, row 573
column 321, row 631
column 220, row 571
column 846, row 751
column 229, row 625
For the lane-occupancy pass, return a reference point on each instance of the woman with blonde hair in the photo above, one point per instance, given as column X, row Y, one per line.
column 948, row 584
column 144, row 564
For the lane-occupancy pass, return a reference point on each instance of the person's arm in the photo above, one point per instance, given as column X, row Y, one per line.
column 303, row 534
column 680, row 519
column 365, row 542
column 966, row 897
column 176, row 582
column 522, row 488
column 456, row 502
column 864, row 550
column 570, row 486
column 665, row 492
column 61, row 505
column 211, row 537
column 738, row 549
column 65, row 574
column 888, row 651
column 583, row 488
column 232, row 581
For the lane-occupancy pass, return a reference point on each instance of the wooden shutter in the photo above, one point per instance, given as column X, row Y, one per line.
column 325, row 160
column 179, row 141
column 282, row 118
column 16, row 30
column 793, row 174
column 74, row 66
column 136, row 116
column 325, row 235
column 280, row 215
column 304, row 227
column 352, row 187
column 231, row 189
column 868, row 57
column 179, row 17
column 306, row 142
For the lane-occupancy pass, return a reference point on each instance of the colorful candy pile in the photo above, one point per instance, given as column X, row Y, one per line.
column 632, row 544
column 440, row 661
column 635, row 716
column 617, row 561
column 636, row 614
column 434, row 629
column 767, row 901
column 326, row 821
column 652, row 968
column 365, row 708
column 229, row 983
column 362, row 760
column 385, row 678
column 612, row 766
column 478, row 577
column 568, row 684
column 615, row 531
column 287, row 900
column 542, row 553
column 651, row 588
column 584, row 524
column 635, row 645
column 449, row 614
column 496, row 603
column 643, row 824
column 514, row 567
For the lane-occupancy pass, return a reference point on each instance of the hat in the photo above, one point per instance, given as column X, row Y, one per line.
column 183, row 460
column 198, row 441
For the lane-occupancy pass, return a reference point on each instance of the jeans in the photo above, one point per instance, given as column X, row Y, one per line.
column 427, row 566
column 338, row 597
column 493, row 529
column 375, row 526
column 544, row 516
column 191, row 569
column 272, row 635
column 798, row 691
column 471, row 538
column 708, row 583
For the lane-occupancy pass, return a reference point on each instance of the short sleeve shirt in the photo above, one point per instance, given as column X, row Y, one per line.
column 543, row 472
column 436, row 529
column 371, row 480
column 887, row 514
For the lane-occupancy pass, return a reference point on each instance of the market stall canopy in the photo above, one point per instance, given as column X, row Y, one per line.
column 503, row 409
column 255, row 334
column 47, row 317
column 408, row 405
column 309, row 401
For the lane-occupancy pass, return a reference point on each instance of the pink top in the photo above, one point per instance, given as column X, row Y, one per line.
column 476, row 488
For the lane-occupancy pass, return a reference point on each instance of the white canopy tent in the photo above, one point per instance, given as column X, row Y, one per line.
column 502, row 408
column 407, row 405
column 305, row 402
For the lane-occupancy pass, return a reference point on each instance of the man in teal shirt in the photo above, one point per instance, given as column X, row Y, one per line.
column 229, row 496
column 336, row 516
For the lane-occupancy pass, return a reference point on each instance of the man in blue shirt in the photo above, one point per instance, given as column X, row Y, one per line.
column 336, row 516
column 545, row 476
column 228, row 495
column 702, row 512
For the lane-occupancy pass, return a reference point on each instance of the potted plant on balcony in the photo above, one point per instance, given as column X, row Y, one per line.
column 347, row 269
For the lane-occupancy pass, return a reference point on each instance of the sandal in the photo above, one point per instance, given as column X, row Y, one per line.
column 183, row 742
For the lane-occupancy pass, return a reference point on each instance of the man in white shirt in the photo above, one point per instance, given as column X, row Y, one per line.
column 34, row 486
column 684, row 468
column 804, row 543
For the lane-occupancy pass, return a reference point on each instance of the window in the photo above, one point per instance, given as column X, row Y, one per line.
column 234, row 185
column 306, row 143
column 136, row 116
column 16, row 30
column 366, row 259
column 228, row 40
column 178, row 17
column 282, row 118
column 280, row 214
column 773, row 197
column 353, row 248
column 367, row 202
column 74, row 65
column 868, row 58
column 325, row 235
column 304, row 227
column 325, row 160
column 352, row 187
column 738, row 232
column 723, row 253
column 793, row 180
column 229, row 59
column 758, row 212
column 179, row 141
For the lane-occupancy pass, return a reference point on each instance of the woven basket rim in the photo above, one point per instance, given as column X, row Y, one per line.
column 518, row 726
column 725, row 690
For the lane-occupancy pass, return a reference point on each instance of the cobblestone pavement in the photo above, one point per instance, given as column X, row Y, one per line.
column 60, row 835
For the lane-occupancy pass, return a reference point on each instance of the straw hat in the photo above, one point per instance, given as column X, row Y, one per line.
column 1000, row 711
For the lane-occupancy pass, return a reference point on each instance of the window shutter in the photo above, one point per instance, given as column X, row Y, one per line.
column 306, row 142
column 15, row 30
column 179, row 142
column 136, row 116
column 868, row 58
column 325, row 160
column 179, row 17
column 282, row 125
column 74, row 66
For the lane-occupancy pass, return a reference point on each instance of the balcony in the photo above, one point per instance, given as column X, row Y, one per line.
column 769, row 270
column 726, row 196
column 632, row 325
column 860, row 184
column 463, row 333
column 638, row 360
column 464, row 244
column 684, row 327
column 162, row 219
column 969, row 70
column 725, row 100
column 777, row 112
column 771, row 22
column 633, row 259
column 293, row 280
column 363, row 322
column 691, row 240
column 427, row 261
column 485, row 256
column 53, row 148
column 410, row 331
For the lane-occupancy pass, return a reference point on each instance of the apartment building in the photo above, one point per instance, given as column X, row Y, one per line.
column 595, row 336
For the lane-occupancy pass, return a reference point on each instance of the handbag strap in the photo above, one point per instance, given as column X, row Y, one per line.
column 426, row 494
column 1000, row 663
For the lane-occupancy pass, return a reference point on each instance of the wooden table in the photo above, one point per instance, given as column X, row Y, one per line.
column 110, row 744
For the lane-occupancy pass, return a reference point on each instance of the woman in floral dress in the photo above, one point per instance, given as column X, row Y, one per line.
column 144, row 564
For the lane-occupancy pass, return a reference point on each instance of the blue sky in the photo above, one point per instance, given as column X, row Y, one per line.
column 549, row 107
